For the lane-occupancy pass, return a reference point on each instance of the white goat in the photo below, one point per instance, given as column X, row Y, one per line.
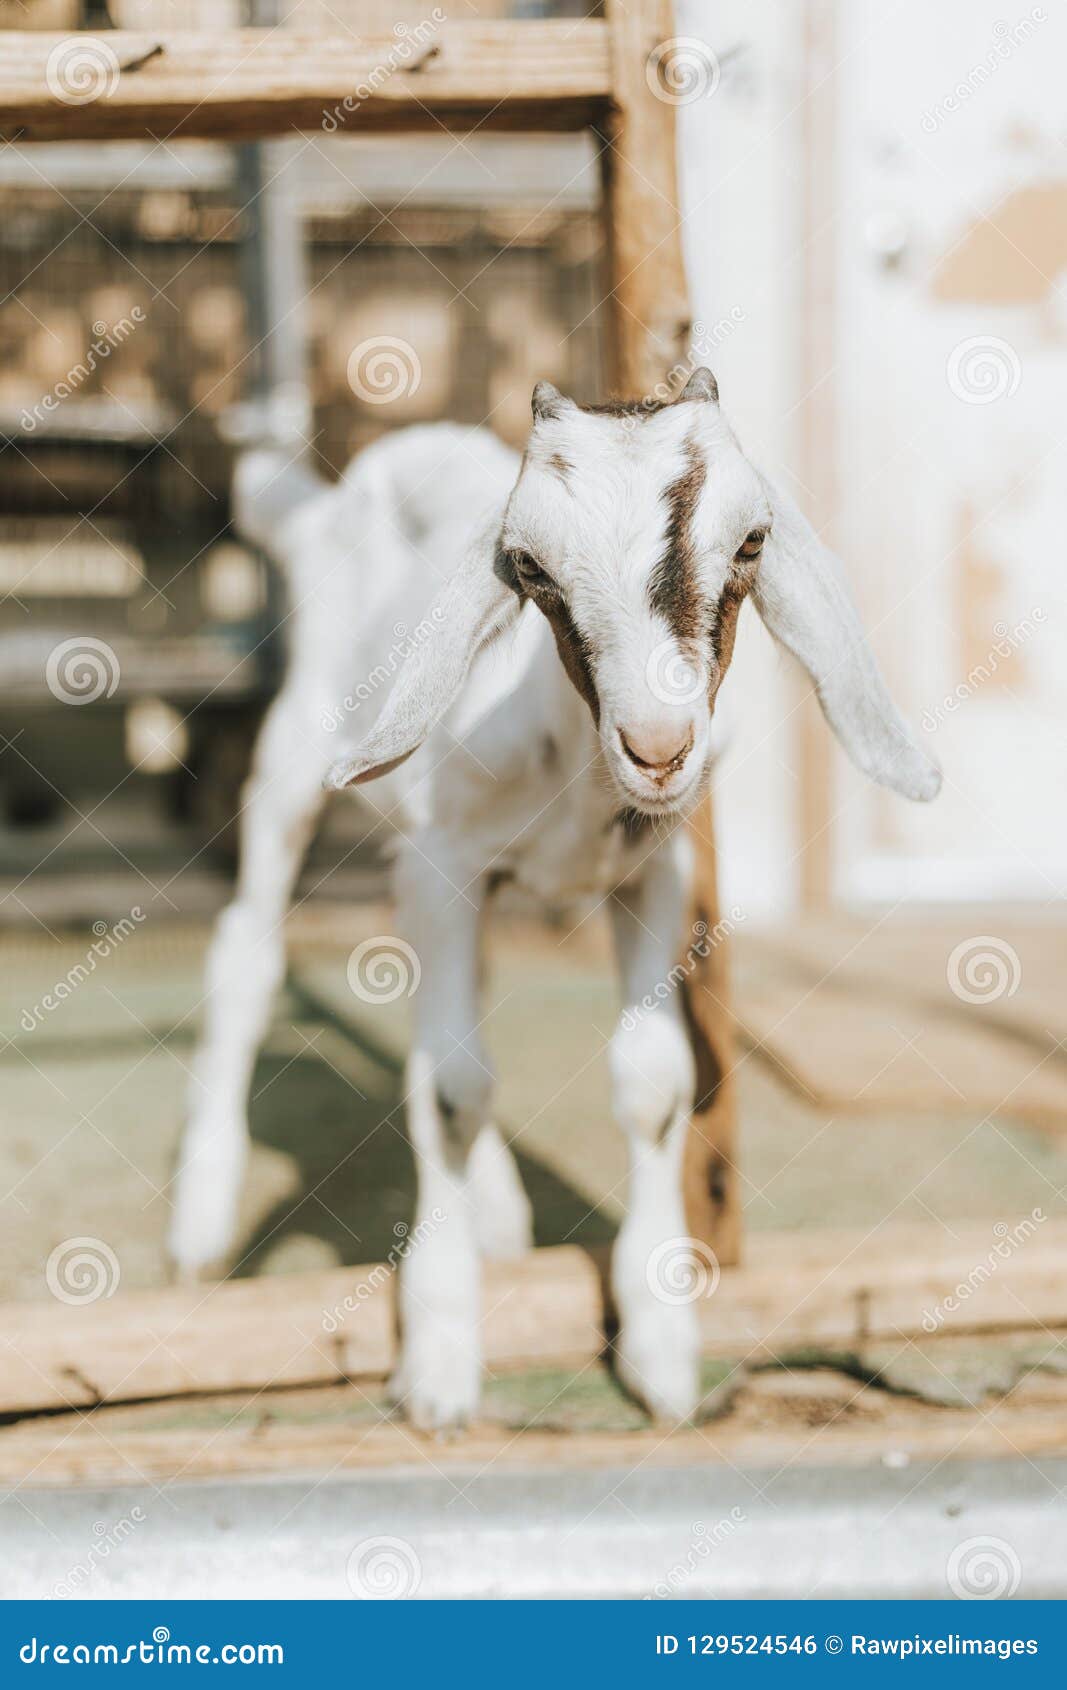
column 576, row 616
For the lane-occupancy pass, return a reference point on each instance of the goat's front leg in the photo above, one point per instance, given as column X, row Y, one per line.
column 449, row 1086
column 654, row 1270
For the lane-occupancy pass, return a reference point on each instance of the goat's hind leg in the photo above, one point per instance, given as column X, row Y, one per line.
column 460, row 1160
column 245, row 966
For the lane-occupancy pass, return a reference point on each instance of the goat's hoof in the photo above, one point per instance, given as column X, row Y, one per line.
column 662, row 1370
column 201, row 1231
column 437, row 1390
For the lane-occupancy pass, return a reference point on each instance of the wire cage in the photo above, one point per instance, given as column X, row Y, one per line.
column 129, row 321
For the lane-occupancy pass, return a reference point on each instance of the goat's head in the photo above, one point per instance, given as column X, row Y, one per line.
column 638, row 532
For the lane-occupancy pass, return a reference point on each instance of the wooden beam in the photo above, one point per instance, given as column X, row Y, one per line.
column 711, row 1179
column 840, row 1290
column 649, row 327
column 649, row 320
column 237, row 84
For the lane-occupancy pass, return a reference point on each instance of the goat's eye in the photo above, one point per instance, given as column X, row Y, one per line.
column 753, row 544
column 532, row 576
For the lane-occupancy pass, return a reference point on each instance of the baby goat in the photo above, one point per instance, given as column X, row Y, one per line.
column 551, row 725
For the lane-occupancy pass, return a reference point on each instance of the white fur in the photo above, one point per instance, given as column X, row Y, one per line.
column 489, row 762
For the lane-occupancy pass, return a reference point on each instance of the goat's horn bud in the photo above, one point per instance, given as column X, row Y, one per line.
column 701, row 385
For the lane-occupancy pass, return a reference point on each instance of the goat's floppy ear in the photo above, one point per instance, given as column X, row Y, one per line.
column 476, row 604
column 804, row 599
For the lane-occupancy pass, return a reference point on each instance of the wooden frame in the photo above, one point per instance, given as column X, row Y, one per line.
column 561, row 75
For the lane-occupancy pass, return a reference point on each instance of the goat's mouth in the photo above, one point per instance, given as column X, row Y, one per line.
column 677, row 800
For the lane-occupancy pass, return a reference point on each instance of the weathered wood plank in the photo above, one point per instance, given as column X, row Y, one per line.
column 837, row 1289
column 900, row 1016
column 90, row 1455
column 122, row 85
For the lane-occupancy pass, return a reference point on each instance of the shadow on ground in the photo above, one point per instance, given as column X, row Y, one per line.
column 355, row 1171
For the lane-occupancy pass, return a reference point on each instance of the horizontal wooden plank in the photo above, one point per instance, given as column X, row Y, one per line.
column 835, row 1289
column 884, row 1052
column 238, row 84
column 94, row 1451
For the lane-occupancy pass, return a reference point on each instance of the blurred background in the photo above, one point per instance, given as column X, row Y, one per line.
column 875, row 206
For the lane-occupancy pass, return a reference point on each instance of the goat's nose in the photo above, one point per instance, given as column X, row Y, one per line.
column 658, row 749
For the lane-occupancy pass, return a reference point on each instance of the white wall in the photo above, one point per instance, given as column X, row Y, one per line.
column 938, row 218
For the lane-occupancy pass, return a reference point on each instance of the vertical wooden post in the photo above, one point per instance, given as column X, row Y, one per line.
column 649, row 329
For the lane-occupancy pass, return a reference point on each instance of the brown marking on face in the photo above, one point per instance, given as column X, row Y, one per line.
column 674, row 590
column 724, row 632
column 560, row 466
column 572, row 647
column 625, row 408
